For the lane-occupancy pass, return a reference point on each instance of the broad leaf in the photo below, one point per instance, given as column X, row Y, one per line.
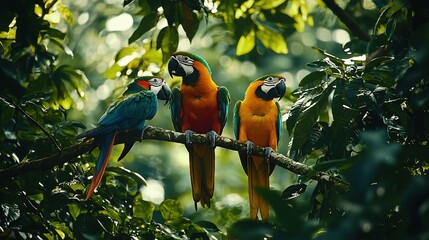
column 246, row 43
column 171, row 209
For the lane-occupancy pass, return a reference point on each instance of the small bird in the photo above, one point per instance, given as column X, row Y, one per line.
column 257, row 120
column 136, row 105
column 199, row 106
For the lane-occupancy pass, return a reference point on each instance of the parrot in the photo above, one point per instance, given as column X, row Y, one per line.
column 257, row 120
column 137, row 104
column 199, row 106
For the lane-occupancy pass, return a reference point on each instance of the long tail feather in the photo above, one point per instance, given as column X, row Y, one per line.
column 202, row 167
column 106, row 145
column 258, row 177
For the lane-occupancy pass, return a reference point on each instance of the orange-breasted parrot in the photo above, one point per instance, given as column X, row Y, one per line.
column 257, row 120
column 136, row 105
column 199, row 106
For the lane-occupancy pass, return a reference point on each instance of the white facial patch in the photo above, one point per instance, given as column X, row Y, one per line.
column 186, row 63
column 269, row 83
column 156, row 84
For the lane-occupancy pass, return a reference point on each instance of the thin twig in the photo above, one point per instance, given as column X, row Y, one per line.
column 34, row 121
column 349, row 21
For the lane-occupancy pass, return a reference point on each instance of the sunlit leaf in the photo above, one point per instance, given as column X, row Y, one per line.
column 143, row 209
column 67, row 13
column 268, row 4
column 170, row 209
column 246, row 43
column 272, row 40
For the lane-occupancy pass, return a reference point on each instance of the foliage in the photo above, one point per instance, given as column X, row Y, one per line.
column 361, row 116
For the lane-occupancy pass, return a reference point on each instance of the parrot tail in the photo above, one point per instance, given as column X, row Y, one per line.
column 106, row 144
column 202, row 166
column 258, row 172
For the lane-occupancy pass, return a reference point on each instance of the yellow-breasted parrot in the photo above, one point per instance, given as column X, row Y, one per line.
column 257, row 120
column 136, row 105
column 199, row 106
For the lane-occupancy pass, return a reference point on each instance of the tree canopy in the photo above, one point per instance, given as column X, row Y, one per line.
column 353, row 154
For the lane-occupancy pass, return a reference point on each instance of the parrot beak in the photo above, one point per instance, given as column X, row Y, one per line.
column 278, row 91
column 174, row 68
column 164, row 93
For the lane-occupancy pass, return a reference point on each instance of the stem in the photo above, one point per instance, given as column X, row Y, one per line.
column 348, row 20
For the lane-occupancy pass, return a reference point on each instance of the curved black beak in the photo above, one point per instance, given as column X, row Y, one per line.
column 174, row 68
column 164, row 93
column 278, row 91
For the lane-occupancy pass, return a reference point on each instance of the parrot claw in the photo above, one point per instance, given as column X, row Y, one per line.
column 212, row 138
column 188, row 136
column 249, row 149
column 143, row 130
column 268, row 151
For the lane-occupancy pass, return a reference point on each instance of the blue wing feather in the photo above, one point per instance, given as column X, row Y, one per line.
column 223, row 100
column 279, row 122
column 237, row 119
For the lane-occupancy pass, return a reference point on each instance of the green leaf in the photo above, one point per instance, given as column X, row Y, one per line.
column 67, row 13
column 295, row 112
column 209, row 226
column 167, row 40
column 245, row 43
column 294, row 191
column 269, row 4
column 249, row 229
column 171, row 209
column 383, row 78
column 308, row 117
column 377, row 62
column 147, row 23
column 9, row 212
column 190, row 21
column 74, row 210
column 272, row 40
column 143, row 209
column 314, row 78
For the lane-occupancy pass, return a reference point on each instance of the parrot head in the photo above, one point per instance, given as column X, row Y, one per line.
column 154, row 84
column 270, row 87
column 187, row 65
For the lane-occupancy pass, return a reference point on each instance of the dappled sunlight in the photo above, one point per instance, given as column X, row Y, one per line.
column 122, row 22
column 153, row 191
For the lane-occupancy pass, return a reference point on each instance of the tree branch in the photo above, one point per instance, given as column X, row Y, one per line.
column 349, row 21
column 72, row 153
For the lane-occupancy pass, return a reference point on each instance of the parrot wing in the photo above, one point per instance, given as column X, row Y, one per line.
column 126, row 112
column 279, row 122
column 243, row 155
column 223, row 100
column 176, row 109
column 130, row 110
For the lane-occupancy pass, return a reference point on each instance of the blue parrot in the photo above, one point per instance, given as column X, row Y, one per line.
column 136, row 105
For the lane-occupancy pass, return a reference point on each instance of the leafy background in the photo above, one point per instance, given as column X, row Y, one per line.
column 356, row 108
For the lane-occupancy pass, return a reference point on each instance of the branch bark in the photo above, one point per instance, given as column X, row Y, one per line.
column 348, row 20
column 72, row 153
